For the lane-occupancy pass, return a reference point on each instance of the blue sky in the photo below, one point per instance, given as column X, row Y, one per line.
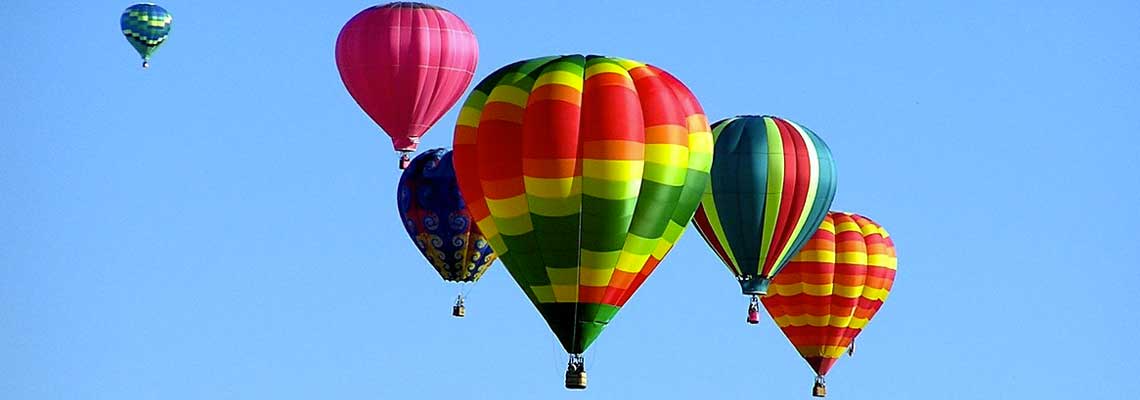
column 223, row 225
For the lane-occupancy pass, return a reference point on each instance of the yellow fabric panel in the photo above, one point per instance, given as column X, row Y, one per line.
column 487, row 226
column 514, row 226
column 604, row 67
column 840, row 320
column 559, row 77
column 821, row 351
column 553, row 188
column 597, row 277
column 820, row 320
column 508, row 94
column 848, row 226
column 560, row 207
column 599, row 259
column 701, row 142
column 627, row 63
column 850, row 292
column 827, row 225
column 508, row 207
column 632, row 263
column 882, row 260
column 851, row 257
column 614, row 170
column 469, row 116
column 672, row 233
column 667, row 154
column 565, row 293
column 562, row 276
column 544, row 294
column 875, row 294
column 822, row 256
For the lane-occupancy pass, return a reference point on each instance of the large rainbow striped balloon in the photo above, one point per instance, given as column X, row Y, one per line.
column 583, row 171
column 772, row 183
column 833, row 287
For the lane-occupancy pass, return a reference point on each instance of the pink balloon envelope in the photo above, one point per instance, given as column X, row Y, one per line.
column 406, row 64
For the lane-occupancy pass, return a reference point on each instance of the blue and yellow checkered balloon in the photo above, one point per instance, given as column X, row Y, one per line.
column 146, row 26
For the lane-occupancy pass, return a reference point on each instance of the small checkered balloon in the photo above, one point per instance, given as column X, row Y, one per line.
column 146, row 26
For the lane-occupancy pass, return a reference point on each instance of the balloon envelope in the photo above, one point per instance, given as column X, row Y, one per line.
column 406, row 64
column 772, row 182
column 146, row 27
column 437, row 220
column 583, row 171
column 833, row 287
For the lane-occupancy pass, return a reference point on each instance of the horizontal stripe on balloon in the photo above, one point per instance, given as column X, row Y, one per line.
column 665, row 174
column 566, row 79
column 820, row 320
column 824, row 351
column 668, row 134
column 816, row 290
column 508, row 207
column 601, row 68
column 615, row 170
column 514, row 226
column 667, row 154
column 511, row 95
column 613, row 150
column 554, row 188
column 595, row 276
column 551, row 168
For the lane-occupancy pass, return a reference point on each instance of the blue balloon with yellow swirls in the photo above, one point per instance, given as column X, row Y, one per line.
column 433, row 213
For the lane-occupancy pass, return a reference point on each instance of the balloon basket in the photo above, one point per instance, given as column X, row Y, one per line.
column 576, row 373
column 405, row 161
column 458, row 310
column 820, row 388
column 754, row 311
column 575, row 380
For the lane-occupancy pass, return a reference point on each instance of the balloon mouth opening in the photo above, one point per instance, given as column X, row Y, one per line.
column 754, row 286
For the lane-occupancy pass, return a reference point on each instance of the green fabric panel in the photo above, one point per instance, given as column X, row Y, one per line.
column 604, row 222
column 738, row 179
column 576, row 335
column 526, row 258
column 695, row 183
column 654, row 208
column 559, row 240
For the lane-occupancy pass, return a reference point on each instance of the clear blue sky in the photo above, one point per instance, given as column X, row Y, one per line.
column 223, row 226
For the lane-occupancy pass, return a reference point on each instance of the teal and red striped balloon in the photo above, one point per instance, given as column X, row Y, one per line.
column 772, row 182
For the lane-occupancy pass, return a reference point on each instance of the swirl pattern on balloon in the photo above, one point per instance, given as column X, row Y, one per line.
column 437, row 220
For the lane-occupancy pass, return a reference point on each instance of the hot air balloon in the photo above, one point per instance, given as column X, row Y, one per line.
column 406, row 64
column 146, row 26
column 832, row 288
column 583, row 172
column 771, row 185
column 438, row 222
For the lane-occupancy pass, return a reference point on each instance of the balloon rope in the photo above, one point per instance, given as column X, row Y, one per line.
column 577, row 287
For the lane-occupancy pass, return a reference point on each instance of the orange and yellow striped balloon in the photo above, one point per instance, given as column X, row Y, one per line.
column 824, row 297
